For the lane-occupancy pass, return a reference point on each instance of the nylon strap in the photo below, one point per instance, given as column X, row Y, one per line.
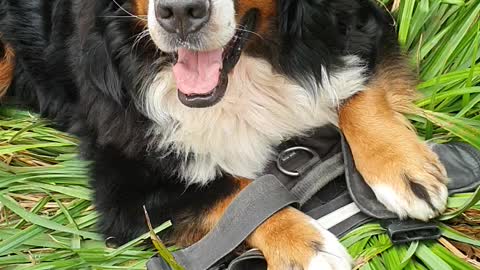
column 255, row 204
column 319, row 176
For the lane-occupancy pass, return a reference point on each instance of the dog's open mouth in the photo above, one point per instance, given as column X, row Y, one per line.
column 202, row 76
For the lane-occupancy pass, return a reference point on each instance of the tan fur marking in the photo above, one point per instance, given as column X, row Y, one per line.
column 376, row 135
column 385, row 148
column 7, row 65
column 217, row 212
column 290, row 232
column 190, row 232
column 140, row 7
column 373, row 124
column 267, row 10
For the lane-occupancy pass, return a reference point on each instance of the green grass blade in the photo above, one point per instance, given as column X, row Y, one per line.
column 430, row 259
column 43, row 222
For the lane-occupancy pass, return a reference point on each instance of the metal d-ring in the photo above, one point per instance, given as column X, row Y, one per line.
column 285, row 154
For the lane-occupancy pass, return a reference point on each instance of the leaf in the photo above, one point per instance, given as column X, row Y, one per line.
column 448, row 49
column 410, row 252
column 162, row 250
column 453, row 214
column 431, row 260
column 18, row 239
column 448, row 94
column 405, row 19
column 450, row 78
column 457, row 236
column 449, row 258
column 137, row 240
column 43, row 222
column 456, row 126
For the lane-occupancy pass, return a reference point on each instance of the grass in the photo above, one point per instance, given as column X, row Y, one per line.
column 47, row 220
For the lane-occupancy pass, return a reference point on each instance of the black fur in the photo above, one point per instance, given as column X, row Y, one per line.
column 420, row 191
column 310, row 34
column 2, row 49
column 76, row 64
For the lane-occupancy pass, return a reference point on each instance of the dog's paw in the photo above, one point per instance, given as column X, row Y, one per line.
column 292, row 241
column 412, row 185
column 330, row 255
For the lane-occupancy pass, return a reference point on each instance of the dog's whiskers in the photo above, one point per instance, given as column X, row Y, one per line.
column 138, row 38
column 126, row 16
column 248, row 31
column 128, row 12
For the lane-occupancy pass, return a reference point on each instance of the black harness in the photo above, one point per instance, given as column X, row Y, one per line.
column 317, row 175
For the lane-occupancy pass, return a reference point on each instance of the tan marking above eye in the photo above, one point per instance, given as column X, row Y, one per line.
column 140, row 7
column 267, row 8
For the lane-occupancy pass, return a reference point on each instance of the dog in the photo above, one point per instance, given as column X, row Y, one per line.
column 179, row 105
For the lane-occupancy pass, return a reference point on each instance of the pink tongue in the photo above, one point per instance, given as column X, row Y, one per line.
column 197, row 73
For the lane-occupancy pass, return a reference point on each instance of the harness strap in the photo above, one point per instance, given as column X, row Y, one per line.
column 255, row 204
column 319, row 176
column 349, row 209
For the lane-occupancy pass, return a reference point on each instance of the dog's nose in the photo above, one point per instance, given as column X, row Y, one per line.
column 182, row 16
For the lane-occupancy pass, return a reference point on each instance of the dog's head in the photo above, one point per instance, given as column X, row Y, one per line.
column 261, row 70
column 300, row 39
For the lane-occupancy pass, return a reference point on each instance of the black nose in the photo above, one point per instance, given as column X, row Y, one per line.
column 182, row 16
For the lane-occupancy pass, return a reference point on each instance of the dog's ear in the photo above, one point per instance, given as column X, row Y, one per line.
column 316, row 33
column 102, row 50
column 102, row 73
column 105, row 52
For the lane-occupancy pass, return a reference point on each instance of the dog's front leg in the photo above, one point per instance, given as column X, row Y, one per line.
column 289, row 240
column 404, row 173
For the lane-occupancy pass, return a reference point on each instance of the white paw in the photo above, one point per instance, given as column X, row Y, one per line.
column 331, row 254
column 414, row 186
column 424, row 203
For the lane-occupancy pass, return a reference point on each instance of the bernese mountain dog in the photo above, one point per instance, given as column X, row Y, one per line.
column 179, row 104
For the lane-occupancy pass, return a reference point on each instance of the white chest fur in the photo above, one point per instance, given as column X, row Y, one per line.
column 238, row 135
